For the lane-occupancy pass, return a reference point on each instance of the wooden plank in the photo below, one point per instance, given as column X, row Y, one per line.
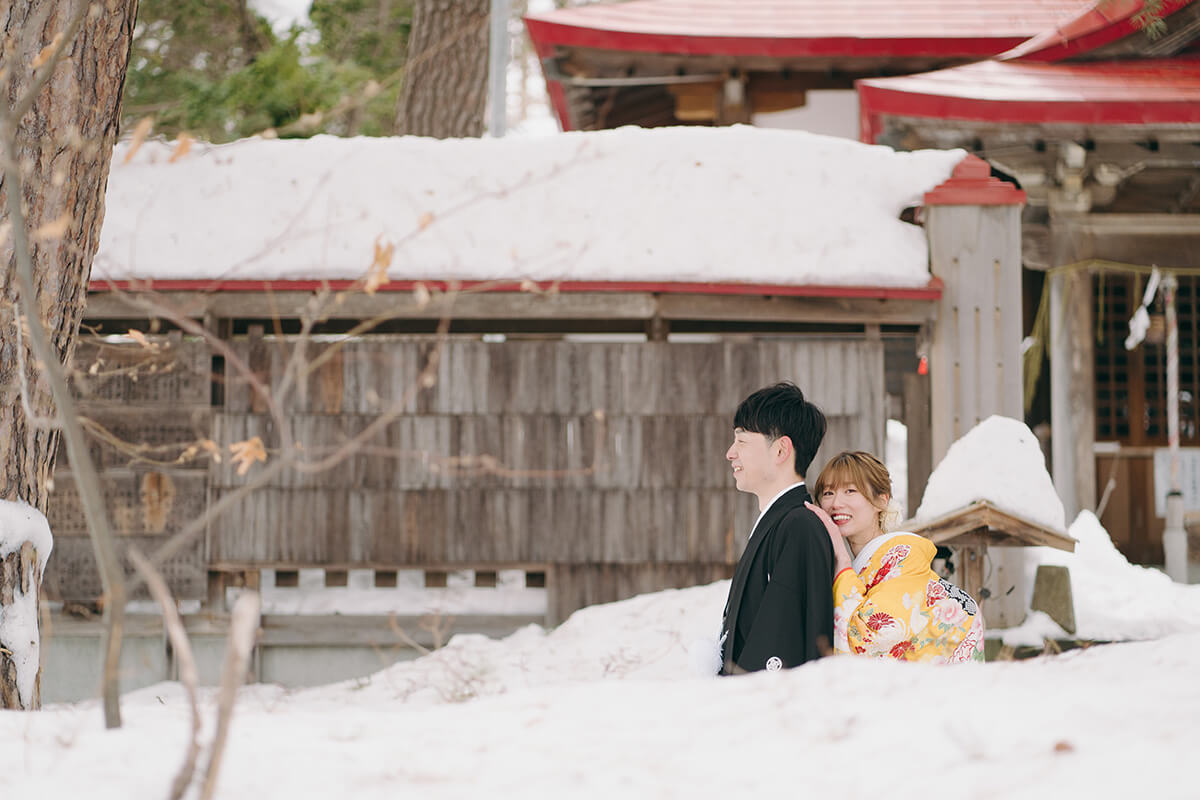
column 918, row 423
column 733, row 308
column 388, row 305
column 574, row 586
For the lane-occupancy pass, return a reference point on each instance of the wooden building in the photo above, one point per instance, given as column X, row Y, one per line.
column 571, row 429
column 1089, row 107
column 595, row 466
column 1099, row 122
column 667, row 62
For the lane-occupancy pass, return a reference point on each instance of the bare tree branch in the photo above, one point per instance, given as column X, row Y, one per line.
column 243, row 629
column 187, row 664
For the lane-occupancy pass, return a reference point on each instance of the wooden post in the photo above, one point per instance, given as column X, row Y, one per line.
column 972, row 571
column 918, row 423
column 973, row 223
column 1072, row 390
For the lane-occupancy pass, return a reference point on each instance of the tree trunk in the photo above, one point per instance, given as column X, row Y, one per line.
column 63, row 146
column 445, row 82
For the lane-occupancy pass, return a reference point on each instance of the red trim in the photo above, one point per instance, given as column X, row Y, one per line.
column 1102, row 24
column 558, row 95
column 930, row 291
column 546, row 34
column 840, row 571
column 1101, row 93
column 972, row 184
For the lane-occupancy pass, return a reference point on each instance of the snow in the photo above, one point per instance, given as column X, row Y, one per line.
column 605, row 706
column 676, row 204
column 999, row 460
column 1114, row 600
column 410, row 596
column 896, row 461
column 21, row 523
column 282, row 14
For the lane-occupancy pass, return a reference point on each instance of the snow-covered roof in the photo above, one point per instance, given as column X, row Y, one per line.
column 1000, row 461
column 721, row 205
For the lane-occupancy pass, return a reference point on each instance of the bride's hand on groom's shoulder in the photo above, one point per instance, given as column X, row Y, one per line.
column 840, row 559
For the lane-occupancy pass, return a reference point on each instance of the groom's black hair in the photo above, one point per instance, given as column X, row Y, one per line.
column 781, row 410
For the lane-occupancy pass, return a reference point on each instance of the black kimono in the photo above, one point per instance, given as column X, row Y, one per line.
column 780, row 608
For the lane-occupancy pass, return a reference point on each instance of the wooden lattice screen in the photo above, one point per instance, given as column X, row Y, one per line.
column 1131, row 386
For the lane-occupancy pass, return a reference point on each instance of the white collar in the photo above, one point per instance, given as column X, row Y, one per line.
column 767, row 507
column 864, row 556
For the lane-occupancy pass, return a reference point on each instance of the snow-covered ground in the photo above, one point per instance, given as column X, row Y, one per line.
column 606, row 706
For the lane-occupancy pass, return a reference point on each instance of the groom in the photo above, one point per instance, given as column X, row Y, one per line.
column 780, row 608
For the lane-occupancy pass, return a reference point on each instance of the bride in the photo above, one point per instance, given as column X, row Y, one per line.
column 888, row 601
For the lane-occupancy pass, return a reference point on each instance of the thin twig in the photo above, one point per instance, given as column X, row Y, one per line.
column 243, row 630
column 188, row 675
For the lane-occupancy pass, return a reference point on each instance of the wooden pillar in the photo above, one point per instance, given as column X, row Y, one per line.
column 973, row 224
column 1072, row 390
column 917, row 420
column 972, row 557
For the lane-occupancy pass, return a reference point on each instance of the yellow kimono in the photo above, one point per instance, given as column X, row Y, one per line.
column 891, row 604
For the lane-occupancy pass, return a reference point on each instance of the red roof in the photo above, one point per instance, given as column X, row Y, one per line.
column 799, row 28
column 1094, row 93
column 1105, row 22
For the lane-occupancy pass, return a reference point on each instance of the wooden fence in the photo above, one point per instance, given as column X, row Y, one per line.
column 601, row 464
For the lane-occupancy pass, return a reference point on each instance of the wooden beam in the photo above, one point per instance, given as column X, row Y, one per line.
column 1001, row 527
column 522, row 305
column 1131, row 224
column 794, row 309
column 395, row 305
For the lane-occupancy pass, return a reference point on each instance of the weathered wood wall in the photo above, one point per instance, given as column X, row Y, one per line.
column 143, row 405
column 602, row 463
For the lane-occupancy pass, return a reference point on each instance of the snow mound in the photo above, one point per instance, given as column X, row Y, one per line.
column 1000, row 461
column 21, row 523
column 643, row 638
column 1114, row 600
column 676, row 204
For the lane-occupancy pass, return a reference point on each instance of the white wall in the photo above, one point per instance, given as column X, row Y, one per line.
column 833, row 112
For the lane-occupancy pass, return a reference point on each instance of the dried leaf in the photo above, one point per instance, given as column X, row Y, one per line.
column 183, row 146
column 212, row 449
column 140, row 132
column 377, row 273
column 94, row 368
column 308, row 121
column 425, row 220
column 48, row 51
column 245, row 453
column 141, row 339
column 53, row 230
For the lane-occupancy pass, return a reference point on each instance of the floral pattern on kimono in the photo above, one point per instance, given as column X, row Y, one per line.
column 891, row 604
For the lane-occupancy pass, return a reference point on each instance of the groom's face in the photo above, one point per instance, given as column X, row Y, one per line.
column 753, row 458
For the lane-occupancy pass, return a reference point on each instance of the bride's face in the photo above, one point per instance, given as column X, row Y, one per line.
column 852, row 511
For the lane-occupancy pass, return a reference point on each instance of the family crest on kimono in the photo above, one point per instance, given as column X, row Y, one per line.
column 888, row 601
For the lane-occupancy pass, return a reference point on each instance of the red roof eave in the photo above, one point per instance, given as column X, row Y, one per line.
column 1160, row 92
column 547, row 34
column 930, row 291
column 1095, row 27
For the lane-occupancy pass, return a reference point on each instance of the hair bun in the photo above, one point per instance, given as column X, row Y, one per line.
column 891, row 516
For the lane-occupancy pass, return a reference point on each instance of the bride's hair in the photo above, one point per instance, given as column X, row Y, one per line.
column 866, row 473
